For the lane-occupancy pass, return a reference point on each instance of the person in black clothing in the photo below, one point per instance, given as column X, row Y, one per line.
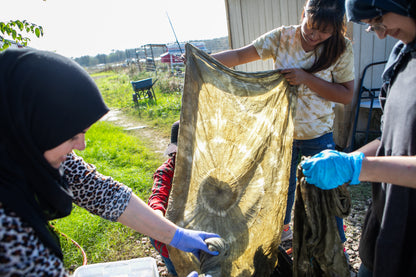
column 388, row 162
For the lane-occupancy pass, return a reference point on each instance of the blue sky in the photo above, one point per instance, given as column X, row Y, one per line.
column 89, row 27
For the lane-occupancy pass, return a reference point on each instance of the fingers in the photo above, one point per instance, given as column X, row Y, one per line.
column 306, row 165
column 213, row 253
column 209, row 235
column 286, row 70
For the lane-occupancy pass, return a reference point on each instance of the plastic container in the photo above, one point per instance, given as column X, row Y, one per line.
column 143, row 267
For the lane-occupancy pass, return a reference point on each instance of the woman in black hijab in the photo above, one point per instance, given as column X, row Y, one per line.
column 47, row 103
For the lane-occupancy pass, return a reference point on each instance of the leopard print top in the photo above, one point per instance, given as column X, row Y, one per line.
column 23, row 254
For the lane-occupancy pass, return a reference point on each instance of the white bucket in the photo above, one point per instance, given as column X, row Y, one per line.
column 143, row 267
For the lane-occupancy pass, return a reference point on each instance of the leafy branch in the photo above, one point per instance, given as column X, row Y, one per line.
column 14, row 29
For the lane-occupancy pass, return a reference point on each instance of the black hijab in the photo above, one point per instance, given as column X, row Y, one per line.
column 45, row 99
column 368, row 9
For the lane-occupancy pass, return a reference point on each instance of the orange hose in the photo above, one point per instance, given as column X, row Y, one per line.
column 84, row 256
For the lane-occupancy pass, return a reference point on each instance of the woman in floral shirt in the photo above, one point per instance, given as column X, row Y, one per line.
column 317, row 58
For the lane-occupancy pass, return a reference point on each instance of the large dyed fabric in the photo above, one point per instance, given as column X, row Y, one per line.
column 232, row 170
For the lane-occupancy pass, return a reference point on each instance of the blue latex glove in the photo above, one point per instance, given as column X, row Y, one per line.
column 330, row 169
column 195, row 274
column 192, row 241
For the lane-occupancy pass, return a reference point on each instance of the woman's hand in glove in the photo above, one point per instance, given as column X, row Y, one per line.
column 330, row 169
column 192, row 241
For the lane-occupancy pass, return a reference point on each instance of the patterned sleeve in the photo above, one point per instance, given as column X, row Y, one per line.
column 21, row 251
column 162, row 184
column 344, row 68
column 98, row 194
column 267, row 44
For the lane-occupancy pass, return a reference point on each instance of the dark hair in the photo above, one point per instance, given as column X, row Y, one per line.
column 412, row 5
column 324, row 13
column 358, row 10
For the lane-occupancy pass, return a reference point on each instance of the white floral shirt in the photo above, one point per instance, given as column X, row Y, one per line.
column 314, row 114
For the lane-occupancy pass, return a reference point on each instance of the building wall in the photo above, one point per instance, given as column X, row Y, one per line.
column 248, row 19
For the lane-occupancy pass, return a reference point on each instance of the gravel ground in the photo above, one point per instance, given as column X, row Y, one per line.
column 354, row 223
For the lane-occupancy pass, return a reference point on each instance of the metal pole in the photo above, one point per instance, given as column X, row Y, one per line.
column 174, row 33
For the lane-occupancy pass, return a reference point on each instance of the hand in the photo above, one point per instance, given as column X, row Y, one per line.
column 192, row 241
column 294, row 76
column 183, row 58
column 330, row 169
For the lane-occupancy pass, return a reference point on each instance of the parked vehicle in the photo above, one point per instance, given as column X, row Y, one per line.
column 175, row 50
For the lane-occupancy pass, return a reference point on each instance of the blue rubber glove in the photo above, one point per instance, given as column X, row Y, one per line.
column 330, row 169
column 192, row 241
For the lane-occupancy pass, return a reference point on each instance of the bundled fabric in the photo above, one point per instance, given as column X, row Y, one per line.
column 317, row 247
column 232, row 167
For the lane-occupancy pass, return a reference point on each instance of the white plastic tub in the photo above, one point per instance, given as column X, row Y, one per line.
column 143, row 267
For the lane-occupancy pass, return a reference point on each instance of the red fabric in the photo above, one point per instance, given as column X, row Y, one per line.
column 158, row 200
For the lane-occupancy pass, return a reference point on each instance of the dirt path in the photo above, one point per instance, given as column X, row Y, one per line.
column 147, row 134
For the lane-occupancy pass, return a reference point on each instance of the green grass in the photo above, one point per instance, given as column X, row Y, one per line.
column 117, row 93
column 127, row 160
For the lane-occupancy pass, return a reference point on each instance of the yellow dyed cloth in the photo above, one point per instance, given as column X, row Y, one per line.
column 232, row 165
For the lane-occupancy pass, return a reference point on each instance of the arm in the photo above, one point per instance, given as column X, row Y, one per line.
column 340, row 93
column 143, row 219
column 112, row 200
column 162, row 185
column 398, row 170
column 335, row 92
column 370, row 149
column 331, row 168
column 88, row 187
column 340, row 89
column 243, row 55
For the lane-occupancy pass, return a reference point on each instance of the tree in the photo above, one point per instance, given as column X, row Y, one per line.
column 14, row 29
